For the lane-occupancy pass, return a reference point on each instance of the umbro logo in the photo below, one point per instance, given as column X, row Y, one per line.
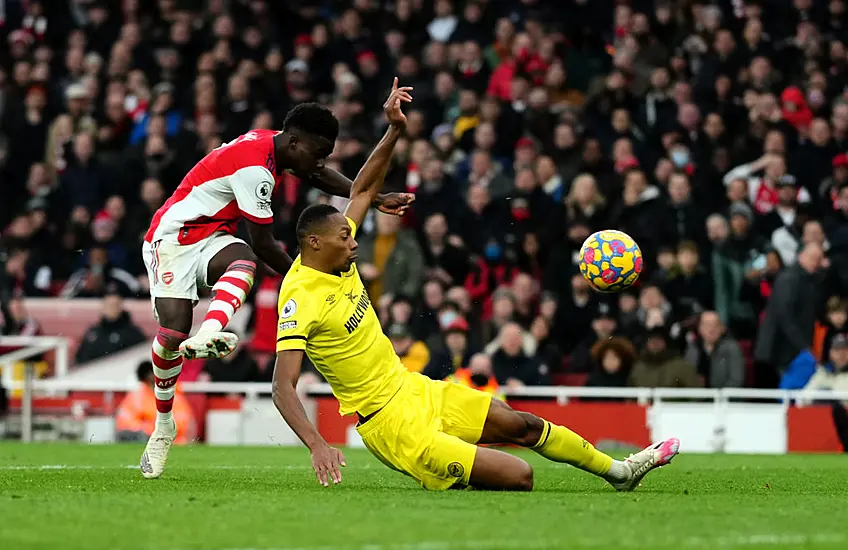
column 331, row 298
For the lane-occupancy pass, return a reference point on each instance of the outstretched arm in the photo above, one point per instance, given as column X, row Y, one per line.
column 335, row 183
column 370, row 178
column 331, row 182
column 325, row 459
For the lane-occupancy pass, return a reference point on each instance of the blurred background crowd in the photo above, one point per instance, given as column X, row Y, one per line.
column 713, row 132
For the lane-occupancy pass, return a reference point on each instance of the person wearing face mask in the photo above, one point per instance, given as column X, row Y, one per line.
column 495, row 268
column 447, row 316
column 682, row 159
column 478, row 375
column 455, row 350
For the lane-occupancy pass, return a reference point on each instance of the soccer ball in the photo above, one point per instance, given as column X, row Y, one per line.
column 610, row 261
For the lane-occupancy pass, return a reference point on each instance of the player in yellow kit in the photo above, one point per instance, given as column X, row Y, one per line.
column 424, row 428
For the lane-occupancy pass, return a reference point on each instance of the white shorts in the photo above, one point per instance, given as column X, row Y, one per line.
column 176, row 271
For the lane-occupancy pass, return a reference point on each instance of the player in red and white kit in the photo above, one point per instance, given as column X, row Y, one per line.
column 191, row 242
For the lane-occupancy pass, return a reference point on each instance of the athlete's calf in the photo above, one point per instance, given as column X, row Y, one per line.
column 497, row 470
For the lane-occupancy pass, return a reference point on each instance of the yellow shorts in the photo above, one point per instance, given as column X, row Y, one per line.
column 429, row 431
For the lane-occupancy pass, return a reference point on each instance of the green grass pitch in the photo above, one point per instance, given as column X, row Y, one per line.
column 63, row 497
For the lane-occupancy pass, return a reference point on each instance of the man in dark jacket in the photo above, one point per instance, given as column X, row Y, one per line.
column 660, row 366
column 790, row 316
column 716, row 355
column 642, row 213
column 511, row 366
column 115, row 332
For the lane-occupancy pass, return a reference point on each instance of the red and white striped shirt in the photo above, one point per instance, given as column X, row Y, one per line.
column 232, row 182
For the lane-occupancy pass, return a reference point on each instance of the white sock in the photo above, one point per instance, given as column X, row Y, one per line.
column 165, row 418
column 619, row 471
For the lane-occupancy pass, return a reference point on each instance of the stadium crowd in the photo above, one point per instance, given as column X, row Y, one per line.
column 713, row 132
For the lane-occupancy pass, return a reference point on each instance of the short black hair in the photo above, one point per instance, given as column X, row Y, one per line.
column 314, row 119
column 311, row 217
column 143, row 371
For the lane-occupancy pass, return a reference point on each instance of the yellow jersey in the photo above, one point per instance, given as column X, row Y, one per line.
column 331, row 318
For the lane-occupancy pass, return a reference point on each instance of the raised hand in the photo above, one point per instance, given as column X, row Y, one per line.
column 392, row 105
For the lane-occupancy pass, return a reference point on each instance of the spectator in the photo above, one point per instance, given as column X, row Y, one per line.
column 659, row 366
column 99, row 277
column 455, row 351
column 687, row 213
column 612, row 361
column 413, row 354
column 433, row 298
column 239, row 366
column 763, row 192
column 487, row 174
column 83, row 181
column 444, row 261
column 115, row 332
column 17, row 321
column 478, row 375
column 503, row 312
column 524, row 292
column 459, row 296
column 833, row 375
column 691, row 289
column 641, row 213
column 511, row 365
column 738, row 259
column 574, row 318
column 390, row 260
column 654, row 309
column 716, row 355
column 135, row 416
column 518, row 148
column 585, row 205
column 400, row 310
column 836, row 322
column 787, row 328
column 604, row 325
column 788, row 240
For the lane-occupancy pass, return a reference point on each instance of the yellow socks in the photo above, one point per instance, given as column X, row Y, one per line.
column 560, row 444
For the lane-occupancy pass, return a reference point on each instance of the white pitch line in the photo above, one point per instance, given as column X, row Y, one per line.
column 725, row 542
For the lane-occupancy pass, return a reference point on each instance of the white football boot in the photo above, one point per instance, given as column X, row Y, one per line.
column 209, row 345
column 650, row 458
column 155, row 454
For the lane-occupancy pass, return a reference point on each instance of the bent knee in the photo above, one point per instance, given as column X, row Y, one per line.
column 523, row 480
